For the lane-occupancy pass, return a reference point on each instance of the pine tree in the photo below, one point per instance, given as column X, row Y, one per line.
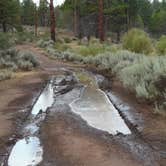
column 101, row 21
column 52, row 20
column 43, row 13
column 9, row 13
column 28, row 12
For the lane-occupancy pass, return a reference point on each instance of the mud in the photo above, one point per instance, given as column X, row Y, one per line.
column 71, row 146
column 16, row 100
column 79, row 144
column 66, row 138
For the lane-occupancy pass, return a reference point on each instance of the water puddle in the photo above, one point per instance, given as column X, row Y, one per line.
column 95, row 107
column 28, row 151
column 44, row 101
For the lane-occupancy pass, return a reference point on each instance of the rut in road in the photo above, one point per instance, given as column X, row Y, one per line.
column 76, row 137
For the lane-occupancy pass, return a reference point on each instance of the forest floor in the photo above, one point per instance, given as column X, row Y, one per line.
column 67, row 139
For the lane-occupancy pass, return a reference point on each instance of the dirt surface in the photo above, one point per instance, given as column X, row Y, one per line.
column 67, row 139
column 153, row 126
column 19, row 93
column 16, row 94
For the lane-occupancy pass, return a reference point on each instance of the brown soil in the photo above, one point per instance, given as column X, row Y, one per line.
column 16, row 94
column 69, row 141
column 19, row 92
column 153, row 126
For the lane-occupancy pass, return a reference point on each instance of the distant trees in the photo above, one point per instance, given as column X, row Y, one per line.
column 145, row 11
column 117, row 17
column 43, row 13
column 9, row 13
column 158, row 22
column 74, row 6
column 87, row 17
column 28, row 9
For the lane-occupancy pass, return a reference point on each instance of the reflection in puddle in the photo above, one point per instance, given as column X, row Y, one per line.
column 45, row 100
column 26, row 152
column 95, row 107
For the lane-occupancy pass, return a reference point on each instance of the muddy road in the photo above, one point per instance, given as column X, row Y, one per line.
column 68, row 118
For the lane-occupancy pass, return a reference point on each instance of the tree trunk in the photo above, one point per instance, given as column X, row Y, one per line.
column 36, row 21
column 75, row 22
column 101, row 21
column 4, row 26
column 52, row 20
column 118, row 36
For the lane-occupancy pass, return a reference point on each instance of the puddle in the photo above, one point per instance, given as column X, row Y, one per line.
column 45, row 100
column 95, row 107
column 26, row 152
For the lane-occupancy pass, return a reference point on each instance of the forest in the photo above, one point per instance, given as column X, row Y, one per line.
column 89, row 56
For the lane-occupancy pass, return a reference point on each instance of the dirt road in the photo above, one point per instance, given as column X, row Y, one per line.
column 66, row 138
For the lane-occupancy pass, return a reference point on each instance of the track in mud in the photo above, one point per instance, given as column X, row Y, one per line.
column 83, row 97
column 28, row 150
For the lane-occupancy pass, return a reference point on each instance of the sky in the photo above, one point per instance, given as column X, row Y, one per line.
column 56, row 2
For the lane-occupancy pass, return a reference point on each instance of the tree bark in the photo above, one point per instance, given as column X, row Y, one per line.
column 52, row 21
column 118, row 36
column 101, row 21
column 75, row 22
column 36, row 21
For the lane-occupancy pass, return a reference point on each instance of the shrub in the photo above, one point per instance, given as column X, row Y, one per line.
column 4, row 41
column 45, row 43
column 141, row 76
column 61, row 47
column 67, row 40
column 161, row 45
column 94, row 41
column 25, row 65
column 137, row 41
column 24, row 37
column 160, row 108
column 17, row 60
column 91, row 50
column 5, row 74
column 28, row 57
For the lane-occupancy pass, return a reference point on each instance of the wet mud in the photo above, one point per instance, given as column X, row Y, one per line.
column 66, row 125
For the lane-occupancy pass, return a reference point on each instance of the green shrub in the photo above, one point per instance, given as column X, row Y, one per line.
column 67, row 40
column 94, row 41
column 5, row 74
column 141, row 77
column 4, row 41
column 24, row 37
column 137, row 41
column 45, row 43
column 25, row 65
column 161, row 45
column 91, row 50
column 61, row 46
column 13, row 60
column 28, row 57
